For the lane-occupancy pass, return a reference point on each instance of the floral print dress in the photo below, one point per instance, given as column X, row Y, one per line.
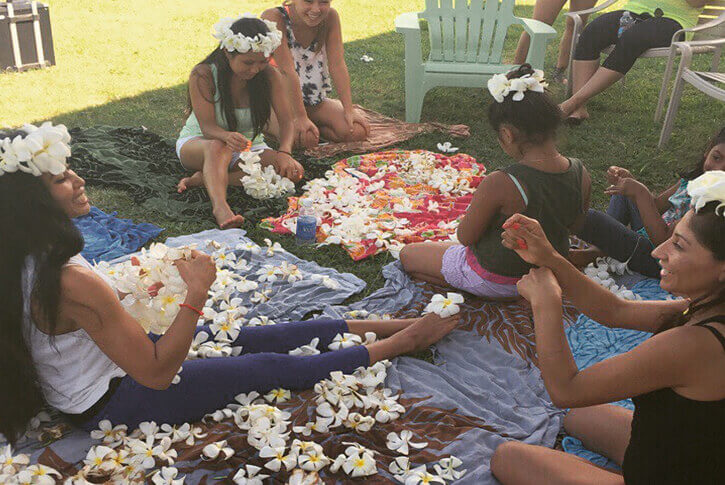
column 310, row 64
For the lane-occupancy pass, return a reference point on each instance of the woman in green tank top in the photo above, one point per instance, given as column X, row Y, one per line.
column 231, row 96
column 542, row 184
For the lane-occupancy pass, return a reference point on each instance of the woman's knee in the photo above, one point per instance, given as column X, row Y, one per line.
column 407, row 255
column 508, row 455
column 217, row 150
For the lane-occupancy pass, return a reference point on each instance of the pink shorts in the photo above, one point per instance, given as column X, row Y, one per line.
column 458, row 273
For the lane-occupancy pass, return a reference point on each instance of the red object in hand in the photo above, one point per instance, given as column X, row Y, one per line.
column 135, row 261
column 522, row 244
column 515, row 225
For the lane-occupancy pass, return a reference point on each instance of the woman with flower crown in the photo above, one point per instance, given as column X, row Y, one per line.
column 675, row 378
column 66, row 340
column 311, row 53
column 232, row 95
column 543, row 184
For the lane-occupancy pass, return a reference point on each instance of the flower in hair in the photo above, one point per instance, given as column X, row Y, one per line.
column 264, row 43
column 708, row 187
column 500, row 86
column 43, row 150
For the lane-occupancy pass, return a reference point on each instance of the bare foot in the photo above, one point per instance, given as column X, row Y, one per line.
column 196, row 180
column 581, row 114
column 426, row 331
column 227, row 219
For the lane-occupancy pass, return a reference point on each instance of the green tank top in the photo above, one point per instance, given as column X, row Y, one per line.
column 553, row 199
column 243, row 116
column 678, row 10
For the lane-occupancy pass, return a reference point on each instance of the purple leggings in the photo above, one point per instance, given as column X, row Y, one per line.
column 210, row 384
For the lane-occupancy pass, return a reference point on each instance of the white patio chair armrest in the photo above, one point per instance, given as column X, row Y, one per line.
column 536, row 28
column 407, row 22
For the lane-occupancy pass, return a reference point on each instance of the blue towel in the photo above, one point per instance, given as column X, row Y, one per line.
column 591, row 343
column 107, row 237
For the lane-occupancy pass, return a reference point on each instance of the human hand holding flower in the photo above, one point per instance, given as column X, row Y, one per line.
column 525, row 236
column 616, row 174
column 198, row 272
column 627, row 187
column 288, row 167
column 237, row 142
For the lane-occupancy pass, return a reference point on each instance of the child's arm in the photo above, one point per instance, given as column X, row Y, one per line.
column 662, row 201
column 201, row 93
column 586, row 190
column 284, row 164
column 656, row 228
column 338, row 70
column 286, row 65
column 490, row 196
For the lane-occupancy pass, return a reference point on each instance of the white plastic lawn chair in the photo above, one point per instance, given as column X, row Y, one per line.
column 656, row 52
column 711, row 82
column 466, row 45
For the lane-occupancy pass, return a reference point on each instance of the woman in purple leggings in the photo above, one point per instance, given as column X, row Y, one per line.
column 66, row 340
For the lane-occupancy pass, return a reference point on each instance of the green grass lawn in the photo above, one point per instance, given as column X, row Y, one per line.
column 126, row 64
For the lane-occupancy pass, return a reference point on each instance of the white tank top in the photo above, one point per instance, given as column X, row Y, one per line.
column 73, row 371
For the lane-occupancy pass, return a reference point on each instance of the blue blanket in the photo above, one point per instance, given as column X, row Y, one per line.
column 107, row 236
column 591, row 343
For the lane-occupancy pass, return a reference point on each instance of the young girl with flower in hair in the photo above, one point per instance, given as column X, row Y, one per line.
column 542, row 184
column 232, row 94
column 311, row 53
column 636, row 220
column 68, row 341
column 675, row 378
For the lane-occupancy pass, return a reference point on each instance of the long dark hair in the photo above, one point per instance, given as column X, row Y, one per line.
column 37, row 231
column 537, row 117
column 260, row 97
column 699, row 168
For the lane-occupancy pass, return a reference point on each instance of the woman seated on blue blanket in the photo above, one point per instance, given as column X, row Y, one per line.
column 675, row 378
column 67, row 341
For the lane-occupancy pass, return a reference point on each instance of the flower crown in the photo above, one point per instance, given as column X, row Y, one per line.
column 500, row 86
column 265, row 43
column 43, row 150
column 708, row 187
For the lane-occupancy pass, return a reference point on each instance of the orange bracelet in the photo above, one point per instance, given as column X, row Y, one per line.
column 186, row 305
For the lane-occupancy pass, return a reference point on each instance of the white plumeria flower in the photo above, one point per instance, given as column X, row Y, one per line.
column 177, row 377
column 321, row 425
column 167, row 476
column 272, row 248
column 37, row 475
column 366, row 58
column 421, row 476
column 244, row 285
column 390, row 410
column 9, row 463
column 446, row 468
column 401, row 442
column 215, row 349
column 290, row 272
column 331, row 416
column 309, row 349
column 359, row 423
column 326, row 281
column 313, row 459
column 446, row 147
column 250, row 246
column 234, row 307
column 399, row 468
column 250, row 476
column 111, row 436
column 101, row 458
column 300, row 477
column 261, row 296
column 261, row 321
column 226, row 328
column 268, row 273
column 144, row 453
column 344, row 341
column 223, row 258
column 219, row 415
column 360, row 465
column 199, row 339
column 445, row 306
column 148, row 429
column 278, row 395
column 433, row 206
column 449, row 226
column 278, row 458
column 218, row 449
column 176, row 433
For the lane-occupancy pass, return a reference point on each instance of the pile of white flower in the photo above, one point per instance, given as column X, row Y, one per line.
column 349, row 200
column 152, row 284
column 602, row 272
column 262, row 183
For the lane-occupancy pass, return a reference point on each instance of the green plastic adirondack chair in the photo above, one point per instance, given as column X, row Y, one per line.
column 466, row 43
